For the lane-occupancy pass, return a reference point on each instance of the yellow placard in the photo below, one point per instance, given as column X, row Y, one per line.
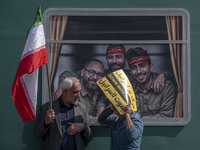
column 118, row 89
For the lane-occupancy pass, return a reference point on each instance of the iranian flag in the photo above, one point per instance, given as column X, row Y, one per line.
column 25, row 85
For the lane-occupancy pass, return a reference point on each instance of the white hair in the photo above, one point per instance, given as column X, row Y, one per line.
column 67, row 83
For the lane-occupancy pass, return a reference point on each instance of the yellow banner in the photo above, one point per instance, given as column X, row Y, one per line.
column 118, row 89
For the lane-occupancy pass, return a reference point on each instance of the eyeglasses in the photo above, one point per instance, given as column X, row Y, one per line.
column 92, row 73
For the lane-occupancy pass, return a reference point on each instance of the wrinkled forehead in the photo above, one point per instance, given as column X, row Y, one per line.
column 76, row 86
column 95, row 66
column 139, row 64
column 114, row 55
column 146, row 62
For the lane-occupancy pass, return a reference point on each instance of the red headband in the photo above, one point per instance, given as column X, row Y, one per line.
column 138, row 59
column 115, row 50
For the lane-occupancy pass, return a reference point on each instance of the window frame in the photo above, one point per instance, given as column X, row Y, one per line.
column 130, row 12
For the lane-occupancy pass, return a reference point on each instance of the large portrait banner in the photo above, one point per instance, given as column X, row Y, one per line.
column 122, row 56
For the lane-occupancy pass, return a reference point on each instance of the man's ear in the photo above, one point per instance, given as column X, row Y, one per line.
column 82, row 72
column 65, row 91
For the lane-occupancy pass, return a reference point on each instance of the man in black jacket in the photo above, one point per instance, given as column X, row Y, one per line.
column 66, row 125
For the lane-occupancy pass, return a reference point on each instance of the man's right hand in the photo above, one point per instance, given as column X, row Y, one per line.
column 128, row 110
column 50, row 115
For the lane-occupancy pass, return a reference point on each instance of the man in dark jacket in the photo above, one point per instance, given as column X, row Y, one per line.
column 66, row 125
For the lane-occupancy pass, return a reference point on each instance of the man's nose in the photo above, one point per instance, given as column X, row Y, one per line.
column 114, row 60
column 95, row 76
column 138, row 70
column 78, row 94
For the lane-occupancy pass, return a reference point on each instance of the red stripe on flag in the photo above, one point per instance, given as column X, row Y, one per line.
column 27, row 65
column 21, row 102
column 32, row 62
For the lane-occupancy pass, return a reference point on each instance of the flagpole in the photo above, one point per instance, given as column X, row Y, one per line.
column 48, row 83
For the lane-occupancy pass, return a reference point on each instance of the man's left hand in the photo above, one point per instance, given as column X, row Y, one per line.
column 75, row 128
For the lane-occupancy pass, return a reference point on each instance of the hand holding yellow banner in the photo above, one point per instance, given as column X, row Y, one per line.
column 118, row 89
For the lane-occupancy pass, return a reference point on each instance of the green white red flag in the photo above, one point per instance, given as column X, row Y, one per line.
column 25, row 85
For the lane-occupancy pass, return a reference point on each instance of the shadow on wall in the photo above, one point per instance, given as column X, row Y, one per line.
column 28, row 137
column 101, row 140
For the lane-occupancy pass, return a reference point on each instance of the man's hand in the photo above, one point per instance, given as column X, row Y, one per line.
column 75, row 128
column 50, row 115
column 99, row 110
column 128, row 110
column 159, row 83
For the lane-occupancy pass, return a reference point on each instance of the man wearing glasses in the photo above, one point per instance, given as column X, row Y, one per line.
column 89, row 95
column 92, row 71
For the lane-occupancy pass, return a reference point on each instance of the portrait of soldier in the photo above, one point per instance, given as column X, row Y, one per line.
column 156, row 105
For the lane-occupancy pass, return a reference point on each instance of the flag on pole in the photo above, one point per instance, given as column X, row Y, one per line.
column 25, row 85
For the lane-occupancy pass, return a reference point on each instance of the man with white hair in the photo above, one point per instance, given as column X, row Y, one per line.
column 66, row 125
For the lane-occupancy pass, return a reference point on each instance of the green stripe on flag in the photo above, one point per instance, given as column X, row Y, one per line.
column 38, row 17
